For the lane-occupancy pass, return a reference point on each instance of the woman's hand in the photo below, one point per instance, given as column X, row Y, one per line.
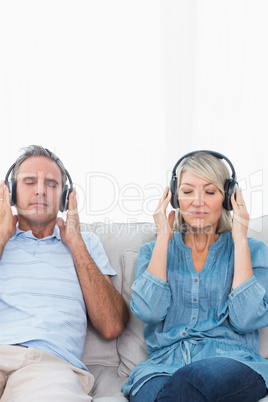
column 164, row 224
column 164, row 228
column 240, row 216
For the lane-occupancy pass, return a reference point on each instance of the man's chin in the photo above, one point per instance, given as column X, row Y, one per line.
column 37, row 214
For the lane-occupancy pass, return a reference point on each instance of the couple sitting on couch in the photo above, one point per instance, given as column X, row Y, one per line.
column 200, row 290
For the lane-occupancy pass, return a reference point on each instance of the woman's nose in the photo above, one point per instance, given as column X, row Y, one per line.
column 198, row 198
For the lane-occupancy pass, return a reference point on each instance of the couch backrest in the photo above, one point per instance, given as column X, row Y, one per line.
column 121, row 242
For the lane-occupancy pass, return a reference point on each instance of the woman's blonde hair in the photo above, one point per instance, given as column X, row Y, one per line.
column 213, row 170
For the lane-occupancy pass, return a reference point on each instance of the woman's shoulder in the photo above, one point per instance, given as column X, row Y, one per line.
column 149, row 246
column 256, row 244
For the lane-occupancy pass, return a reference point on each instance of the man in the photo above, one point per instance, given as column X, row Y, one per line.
column 50, row 277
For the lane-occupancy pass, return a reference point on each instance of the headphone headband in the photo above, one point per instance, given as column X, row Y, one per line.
column 229, row 186
column 213, row 153
column 9, row 172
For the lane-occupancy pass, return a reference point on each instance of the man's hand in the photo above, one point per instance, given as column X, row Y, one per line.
column 7, row 220
column 70, row 230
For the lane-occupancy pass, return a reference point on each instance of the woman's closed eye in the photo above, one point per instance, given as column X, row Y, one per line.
column 210, row 192
column 187, row 191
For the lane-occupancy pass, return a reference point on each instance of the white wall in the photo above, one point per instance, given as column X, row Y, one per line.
column 217, row 87
column 121, row 89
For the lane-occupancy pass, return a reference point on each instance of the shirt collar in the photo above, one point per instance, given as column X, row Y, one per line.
column 179, row 241
column 29, row 234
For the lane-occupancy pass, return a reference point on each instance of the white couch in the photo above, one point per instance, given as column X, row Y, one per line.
column 111, row 361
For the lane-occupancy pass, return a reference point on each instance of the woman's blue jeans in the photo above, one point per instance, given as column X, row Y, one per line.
column 209, row 380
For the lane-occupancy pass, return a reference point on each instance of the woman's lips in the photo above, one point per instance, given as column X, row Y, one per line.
column 199, row 214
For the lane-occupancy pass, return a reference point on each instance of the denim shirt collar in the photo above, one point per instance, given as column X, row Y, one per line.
column 180, row 243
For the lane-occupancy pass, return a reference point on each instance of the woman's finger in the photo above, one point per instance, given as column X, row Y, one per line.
column 164, row 200
column 239, row 198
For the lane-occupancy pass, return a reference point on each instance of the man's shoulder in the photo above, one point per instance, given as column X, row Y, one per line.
column 91, row 239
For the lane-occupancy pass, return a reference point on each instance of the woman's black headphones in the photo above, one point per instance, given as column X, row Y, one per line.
column 229, row 186
column 12, row 185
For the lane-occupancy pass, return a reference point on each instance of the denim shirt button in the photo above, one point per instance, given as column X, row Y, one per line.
column 184, row 334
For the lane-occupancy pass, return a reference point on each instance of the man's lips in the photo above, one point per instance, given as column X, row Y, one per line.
column 39, row 204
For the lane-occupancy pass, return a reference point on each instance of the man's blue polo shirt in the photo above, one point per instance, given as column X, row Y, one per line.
column 41, row 302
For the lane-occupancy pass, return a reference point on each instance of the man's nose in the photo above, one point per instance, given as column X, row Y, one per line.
column 40, row 188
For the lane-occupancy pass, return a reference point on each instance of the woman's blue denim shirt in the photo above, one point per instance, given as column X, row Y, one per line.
column 194, row 315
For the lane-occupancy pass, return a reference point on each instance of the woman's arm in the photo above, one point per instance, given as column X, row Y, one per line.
column 242, row 260
column 164, row 229
column 248, row 303
column 248, row 300
column 151, row 293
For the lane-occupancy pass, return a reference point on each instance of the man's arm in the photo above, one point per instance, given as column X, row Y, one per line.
column 107, row 310
column 7, row 220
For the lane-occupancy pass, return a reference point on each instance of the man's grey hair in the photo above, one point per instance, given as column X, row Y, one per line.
column 37, row 150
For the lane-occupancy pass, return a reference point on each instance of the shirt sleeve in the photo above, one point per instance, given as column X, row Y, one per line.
column 248, row 303
column 151, row 296
column 97, row 253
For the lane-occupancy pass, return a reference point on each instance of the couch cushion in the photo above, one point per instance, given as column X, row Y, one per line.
column 107, row 382
column 131, row 344
column 264, row 343
column 98, row 350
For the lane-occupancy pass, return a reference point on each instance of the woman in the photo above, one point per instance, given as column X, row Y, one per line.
column 202, row 293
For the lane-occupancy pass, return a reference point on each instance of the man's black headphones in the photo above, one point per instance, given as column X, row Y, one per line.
column 12, row 185
column 229, row 186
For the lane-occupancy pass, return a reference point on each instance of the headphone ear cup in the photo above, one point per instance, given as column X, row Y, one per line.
column 174, row 201
column 64, row 199
column 229, row 189
column 12, row 185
